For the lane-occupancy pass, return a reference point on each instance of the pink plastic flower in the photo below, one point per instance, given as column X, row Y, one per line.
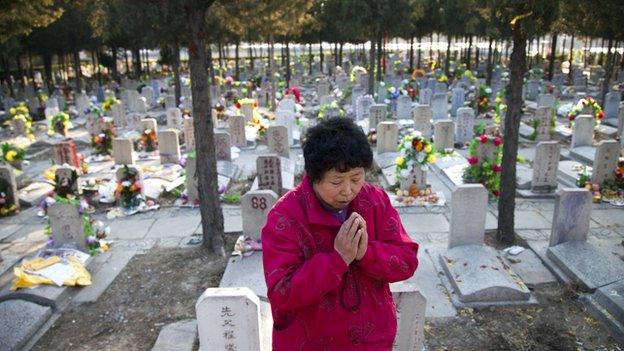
column 497, row 141
column 483, row 138
column 473, row 160
column 496, row 168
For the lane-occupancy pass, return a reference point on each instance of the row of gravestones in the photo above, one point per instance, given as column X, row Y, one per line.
column 168, row 144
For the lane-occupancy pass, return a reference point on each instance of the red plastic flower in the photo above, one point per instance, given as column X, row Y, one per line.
column 497, row 168
column 483, row 138
column 496, row 193
column 497, row 141
column 473, row 160
column 600, row 115
column 238, row 105
column 571, row 117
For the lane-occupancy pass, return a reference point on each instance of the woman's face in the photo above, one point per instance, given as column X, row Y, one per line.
column 337, row 189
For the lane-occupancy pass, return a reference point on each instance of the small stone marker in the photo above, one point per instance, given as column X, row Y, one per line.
column 571, row 216
column 422, row 119
column 229, row 319
column 439, row 104
column 67, row 226
column 387, row 134
column 119, row 115
column 545, row 167
column 169, row 146
column 363, row 107
column 123, row 152
column 468, row 211
column 255, row 206
column 237, row 130
column 223, row 148
column 7, row 183
column 444, row 133
column 464, row 131
column 425, row 96
column 605, row 161
column 269, row 169
column 458, row 98
column 189, row 134
column 174, row 118
column 404, row 107
column 277, row 140
column 376, row 115
column 583, row 133
column 543, row 116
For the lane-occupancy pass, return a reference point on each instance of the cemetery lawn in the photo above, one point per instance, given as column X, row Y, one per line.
column 559, row 322
column 154, row 289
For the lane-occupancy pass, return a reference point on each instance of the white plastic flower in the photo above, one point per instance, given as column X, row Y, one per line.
column 126, row 183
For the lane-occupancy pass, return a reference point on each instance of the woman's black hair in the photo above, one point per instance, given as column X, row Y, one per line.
column 335, row 143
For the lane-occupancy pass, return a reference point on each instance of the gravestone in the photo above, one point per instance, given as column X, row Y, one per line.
column 67, row 226
column 192, row 189
column 571, row 216
column 422, row 119
column 64, row 152
column 223, row 148
column 532, row 89
column 269, row 170
column 458, row 98
column 605, row 161
column 65, row 177
column 486, row 152
column 148, row 123
column 237, row 130
column 543, row 115
column 342, row 80
column 93, row 123
column 468, row 211
column 443, row 137
column 355, row 94
column 546, row 100
column 287, row 119
column 255, row 205
column 189, row 134
column 410, row 312
column 439, row 105
column 387, row 137
column 382, row 93
column 404, row 107
column 170, row 101
column 147, row 93
column 583, row 132
column 119, row 115
column 133, row 121
column 464, row 131
column 545, row 167
column 612, row 103
column 377, row 114
column 364, row 104
column 287, row 104
column 174, row 118
column 229, row 319
column 322, row 88
column 247, row 111
column 82, row 103
column 440, row 88
column 417, row 176
column 425, row 96
column 123, row 152
column 169, row 146
column 277, row 140
column 9, row 186
column 49, row 112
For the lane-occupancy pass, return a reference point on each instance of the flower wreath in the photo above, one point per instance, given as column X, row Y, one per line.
column 108, row 103
column 103, row 142
column 587, row 102
column 415, row 150
column 486, row 172
column 63, row 119
column 12, row 153
column 128, row 190
column 331, row 105
column 20, row 112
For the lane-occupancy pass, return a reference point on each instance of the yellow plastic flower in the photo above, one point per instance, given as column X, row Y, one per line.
column 428, row 148
column 10, row 156
column 12, row 111
column 400, row 161
column 431, row 159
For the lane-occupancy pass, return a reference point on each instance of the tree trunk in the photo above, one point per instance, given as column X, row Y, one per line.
column 272, row 70
column 430, row 46
column 340, row 54
column 321, row 53
column 115, row 70
column 477, row 52
column 571, row 57
column 136, row 62
column 287, row 64
column 489, row 63
column 371, row 68
column 127, row 62
column 469, row 53
column 251, row 57
column 220, row 57
column 608, row 73
column 175, row 66
column 447, row 66
column 507, row 201
column 310, row 59
column 6, row 66
column 236, row 59
column 98, row 55
column 419, row 52
column 210, row 207
column 553, row 51
column 47, row 67
column 210, row 63
column 31, row 73
column 20, row 72
column 147, row 65
column 379, row 53
column 61, row 58
column 94, row 64
column 411, row 54
column 77, row 71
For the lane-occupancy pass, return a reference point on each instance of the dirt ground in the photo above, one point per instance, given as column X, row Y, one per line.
column 155, row 289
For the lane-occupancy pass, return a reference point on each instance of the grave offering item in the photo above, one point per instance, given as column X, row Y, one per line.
column 66, row 184
column 255, row 206
column 129, row 187
column 103, row 141
column 109, row 103
column 59, row 124
column 13, row 154
column 147, row 142
column 416, row 153
column 20, row 121
column 483, row 100
column 485, row 157
column 587, row 105
column 9, row 203
column 65, row 152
